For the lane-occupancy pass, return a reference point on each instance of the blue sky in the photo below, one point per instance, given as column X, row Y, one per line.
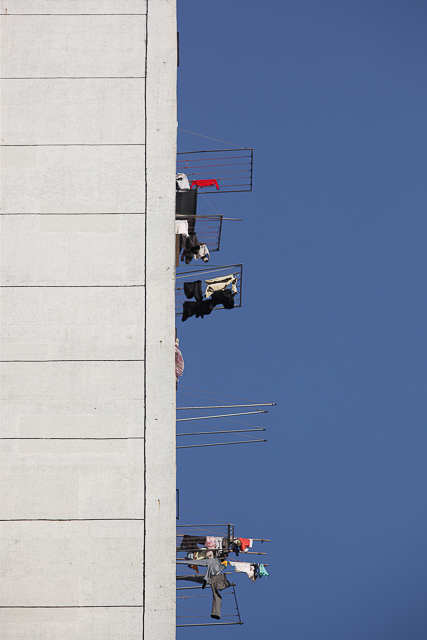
column 332, row 97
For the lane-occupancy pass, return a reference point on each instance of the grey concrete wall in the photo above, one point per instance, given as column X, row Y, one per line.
column 87, row 510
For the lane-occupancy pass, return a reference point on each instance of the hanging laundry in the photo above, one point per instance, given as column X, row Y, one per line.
column 244, row 567
column 213, row 566
column 190, row 246
column 218, row 543
column 182, row 181
column 218, row 583
column 181, row 227
column 213, row 542
column 179, row 361
column 221, row 283
column 225, row 545
column 193, row 290
column 205, row 183
column 235, row 546
column 202, row 253
column 201, row 554
column 226, row 298
column 198, row 309
column 262, row 571
column 246, row 544
column 191, row 542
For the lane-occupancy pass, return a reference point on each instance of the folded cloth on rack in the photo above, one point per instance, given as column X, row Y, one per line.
column 191, row 542
column 262, row 571
column 181, row 227
column 226, row 298
column 179, row 361
column 202, row 554
column 193, row 290
column 213, row 542
column 182, row 181
column 244, row 567
column 218, row 583
column 221, row 283
column 218, row 542
column 202, row 253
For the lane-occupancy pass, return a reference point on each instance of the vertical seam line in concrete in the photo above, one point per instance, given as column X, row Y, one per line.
column 145, row 330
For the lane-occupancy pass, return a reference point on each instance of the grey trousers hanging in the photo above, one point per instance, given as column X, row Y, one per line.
column 218, row 583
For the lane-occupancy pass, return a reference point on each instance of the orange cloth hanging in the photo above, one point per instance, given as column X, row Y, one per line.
column 245, row 544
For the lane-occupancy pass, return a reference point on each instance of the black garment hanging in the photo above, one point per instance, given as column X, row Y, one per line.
column 204, row 307
column 198, row 309
column 225, row 297
column 190, row 245
column 194, row 290
column 235, row 548
column 223, row 553
column 191, row 542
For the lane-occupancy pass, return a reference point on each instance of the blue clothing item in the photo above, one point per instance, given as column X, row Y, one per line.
column 262, row 571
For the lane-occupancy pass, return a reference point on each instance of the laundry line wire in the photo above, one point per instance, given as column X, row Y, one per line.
column 204, row 515
column 217, row 394
column 215, row 429
column 246, row 424
column 209, row 138
column 207, row 200
column 196, row 395
column 233, row 615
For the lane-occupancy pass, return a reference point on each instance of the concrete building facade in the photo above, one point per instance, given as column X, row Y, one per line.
column 88, row 383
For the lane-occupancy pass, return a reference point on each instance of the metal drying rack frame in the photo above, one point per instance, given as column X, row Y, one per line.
column 233, row 177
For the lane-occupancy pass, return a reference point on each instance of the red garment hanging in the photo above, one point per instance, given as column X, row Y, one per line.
column 245, row 543
column 205, row 183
